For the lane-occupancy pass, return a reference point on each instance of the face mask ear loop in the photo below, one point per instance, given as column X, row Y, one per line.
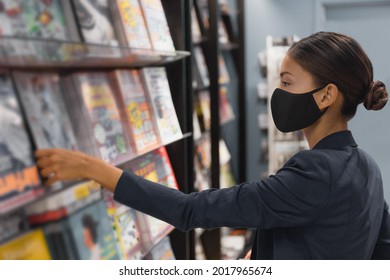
column 317, row 89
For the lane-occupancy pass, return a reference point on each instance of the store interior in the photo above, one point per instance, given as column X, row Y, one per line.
column 177, row 93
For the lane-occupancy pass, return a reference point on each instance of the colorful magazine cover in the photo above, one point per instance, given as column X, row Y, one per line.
column 91, row 232
column 95, row 21
column 19, row 178
column 37, row 19
column 156, row 83
column 157, row 25
column 45, row 19
column 226, row 113
column 127, row 229
column 34, row 18
column 130, row 234
column 131, row 24
column 203, row 109
column 29, row 246
column 224, row 77
column 102, row 116
column 139, row 116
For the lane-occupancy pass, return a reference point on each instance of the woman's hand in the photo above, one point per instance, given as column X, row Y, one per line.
column 60, row 164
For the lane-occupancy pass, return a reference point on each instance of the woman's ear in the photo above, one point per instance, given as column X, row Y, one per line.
column 327, row 96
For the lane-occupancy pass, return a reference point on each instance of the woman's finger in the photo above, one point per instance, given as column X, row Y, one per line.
column 44, row 153
column 48, row 170
column 43, row 162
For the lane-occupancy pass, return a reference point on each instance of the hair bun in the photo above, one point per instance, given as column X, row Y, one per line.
column 377, row 96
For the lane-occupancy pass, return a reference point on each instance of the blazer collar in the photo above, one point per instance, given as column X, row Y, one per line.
column 337, row 141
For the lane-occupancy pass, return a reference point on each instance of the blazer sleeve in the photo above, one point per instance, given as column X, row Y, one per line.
column 382, row 247
column 294, row 196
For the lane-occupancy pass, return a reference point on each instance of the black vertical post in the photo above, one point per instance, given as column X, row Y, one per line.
column 211, row 239
column 214, row 91
column 242, row 154
column 182, row 152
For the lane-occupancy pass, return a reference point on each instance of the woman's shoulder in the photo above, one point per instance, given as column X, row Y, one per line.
column 310, row 159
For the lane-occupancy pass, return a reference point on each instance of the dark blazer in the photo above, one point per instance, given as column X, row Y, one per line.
column 324, row 203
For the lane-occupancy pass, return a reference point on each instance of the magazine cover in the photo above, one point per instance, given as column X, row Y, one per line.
column 202, row 176
column 223, row 36
column 154, row 166
column 45, row 19
column 37, row 18
column 203, row 109
column 11, row 225
column 201, row 71
column 203, row 153
column 13, row 20
column 92, row 234
column 14, row 23
column 126, row 228
column 224, row 77
column 70, row 86
column 103, row 116
column 29, row 246
column 42, row 101
column 95, row 21
column 18, row 174
column 130, row 234
column 138, row 115
column 159, row 93
column 195, row 27
column 226, row 113
column 157, row 25
column 130, row 24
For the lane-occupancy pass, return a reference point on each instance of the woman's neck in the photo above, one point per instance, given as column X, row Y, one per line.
column 317, row 132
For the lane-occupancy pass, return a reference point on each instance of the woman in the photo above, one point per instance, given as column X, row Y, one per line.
column 325, row 203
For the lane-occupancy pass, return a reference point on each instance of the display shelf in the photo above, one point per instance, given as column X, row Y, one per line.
column 33, row 196
column 36, row 53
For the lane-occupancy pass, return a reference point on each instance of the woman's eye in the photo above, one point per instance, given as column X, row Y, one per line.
column 285, row 84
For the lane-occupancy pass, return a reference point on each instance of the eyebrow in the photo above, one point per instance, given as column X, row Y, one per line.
column 285, row 73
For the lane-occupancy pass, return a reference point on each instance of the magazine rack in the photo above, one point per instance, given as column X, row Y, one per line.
column 67, row 57
column 33, row 53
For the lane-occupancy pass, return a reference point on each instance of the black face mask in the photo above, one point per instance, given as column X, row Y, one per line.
column 292, row 111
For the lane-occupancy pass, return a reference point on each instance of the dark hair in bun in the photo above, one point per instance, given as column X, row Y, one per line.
column 376, row 97
column 339, row 59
